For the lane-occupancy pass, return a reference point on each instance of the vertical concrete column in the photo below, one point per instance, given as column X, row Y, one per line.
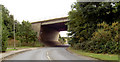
column 36, row 27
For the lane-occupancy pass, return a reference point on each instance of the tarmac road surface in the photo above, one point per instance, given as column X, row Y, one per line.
column 49, row 53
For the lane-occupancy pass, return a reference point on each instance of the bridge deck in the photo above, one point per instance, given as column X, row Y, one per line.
column 52, row 21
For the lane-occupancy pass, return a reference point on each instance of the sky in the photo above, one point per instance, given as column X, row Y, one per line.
column 38, row 10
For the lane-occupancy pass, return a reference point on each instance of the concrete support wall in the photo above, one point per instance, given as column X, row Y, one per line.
column 36, row 27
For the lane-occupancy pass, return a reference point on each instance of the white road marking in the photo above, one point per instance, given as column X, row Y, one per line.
column 48, row 57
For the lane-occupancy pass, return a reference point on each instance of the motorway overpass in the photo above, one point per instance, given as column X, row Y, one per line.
column 48, row 30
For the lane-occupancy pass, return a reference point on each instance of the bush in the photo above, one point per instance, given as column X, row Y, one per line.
column 4, row 46
column 105, row 39
column 101, row 36
column 77, row 46
column 25, row 33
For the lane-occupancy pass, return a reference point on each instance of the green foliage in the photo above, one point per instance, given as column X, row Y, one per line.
column 102, row 35
column 97, row 56
column 107, row 37
column 85, row 16
column 87, row 32
column 4, row 31
column 4, row 39
column 25, row 32
column 8, row 20
column 105, row 40
column 61, row 39
column 0, row 33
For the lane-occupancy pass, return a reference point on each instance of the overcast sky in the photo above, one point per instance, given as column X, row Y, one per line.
column 38, row 10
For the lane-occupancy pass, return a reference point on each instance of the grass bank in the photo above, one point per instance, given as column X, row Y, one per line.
column 94, row 55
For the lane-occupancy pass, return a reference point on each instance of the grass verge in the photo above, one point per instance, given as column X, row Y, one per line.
column 94, row 55
column 17, row 48
column 11, row 49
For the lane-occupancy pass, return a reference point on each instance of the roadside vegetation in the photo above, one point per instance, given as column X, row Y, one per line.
column 95, row 27
column 94, row 55
column 24, row 35
column 63, row 40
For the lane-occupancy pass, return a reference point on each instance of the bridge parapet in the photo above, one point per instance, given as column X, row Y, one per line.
column 55, row 21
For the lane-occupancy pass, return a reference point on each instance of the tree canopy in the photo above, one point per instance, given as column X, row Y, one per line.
column 23, row 32
column 85, row 16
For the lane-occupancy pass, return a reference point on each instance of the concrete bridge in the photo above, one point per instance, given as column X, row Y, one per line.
column 48, row 30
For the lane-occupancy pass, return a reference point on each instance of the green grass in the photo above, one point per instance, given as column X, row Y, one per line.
column 22, row 47
column 11, row 49
column 17, row 48
column 25, row 47
column 94, row 55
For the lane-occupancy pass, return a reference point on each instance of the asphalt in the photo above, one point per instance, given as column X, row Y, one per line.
column 48, row 53
column 10, row 53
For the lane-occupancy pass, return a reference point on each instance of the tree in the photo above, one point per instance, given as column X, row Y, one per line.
column 8, row 21
column 10, row 25
column 84, row 17
column 25, row 32
column 4, row 31
column 4, row 38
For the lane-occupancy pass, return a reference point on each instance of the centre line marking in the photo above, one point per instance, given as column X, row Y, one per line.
column 48, row 57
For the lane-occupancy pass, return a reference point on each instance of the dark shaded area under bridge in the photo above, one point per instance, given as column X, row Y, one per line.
column 51, row 32
column 48, row 30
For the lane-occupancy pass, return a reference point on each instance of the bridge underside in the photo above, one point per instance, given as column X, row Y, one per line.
column 49, row 34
